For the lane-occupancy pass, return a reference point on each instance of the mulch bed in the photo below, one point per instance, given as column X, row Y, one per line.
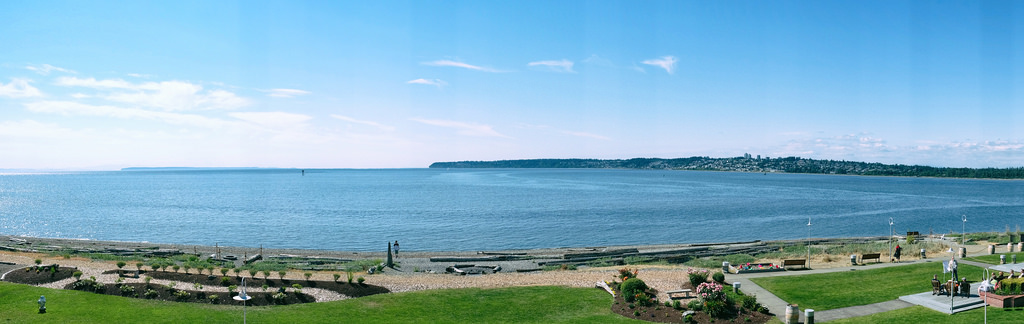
column 255, row 284
column 666, row 314
column 33, row 277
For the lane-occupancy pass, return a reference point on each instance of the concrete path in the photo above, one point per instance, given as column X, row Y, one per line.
column 778, row 306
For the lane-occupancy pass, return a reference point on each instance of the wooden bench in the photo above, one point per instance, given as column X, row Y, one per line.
column 686, row 293
column 794, row 262
column 876, row 256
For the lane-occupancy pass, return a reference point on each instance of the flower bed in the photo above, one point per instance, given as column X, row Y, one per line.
column 1001, row 301
column 758, row 267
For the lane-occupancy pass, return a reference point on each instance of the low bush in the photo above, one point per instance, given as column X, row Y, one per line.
column 749, row 302
column 213, row 298
column 360, row 280
column 182, row 295
column 718, row 277
column 677, row 305
column 631, row 288
column 697, row 276
column 694, row 305
column 225, row 281
column 150, row 293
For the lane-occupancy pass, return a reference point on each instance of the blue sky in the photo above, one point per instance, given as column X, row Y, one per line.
column 382, row 84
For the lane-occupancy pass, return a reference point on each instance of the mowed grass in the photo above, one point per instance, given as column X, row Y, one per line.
column 994, row 258
column 920, row 314
column 545, row 304
column 861, row 287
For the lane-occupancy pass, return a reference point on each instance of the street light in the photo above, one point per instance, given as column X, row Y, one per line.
column 963, row 232
column 242, row 297
column 890, row 238
column 808, row 242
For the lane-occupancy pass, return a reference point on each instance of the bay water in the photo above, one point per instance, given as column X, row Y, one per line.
column 490, row 209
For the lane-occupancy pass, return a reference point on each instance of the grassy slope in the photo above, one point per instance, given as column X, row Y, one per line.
column 994, row 258
column 520, row 305
column 842, row 289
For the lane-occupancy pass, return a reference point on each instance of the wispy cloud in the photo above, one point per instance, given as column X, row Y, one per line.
column 19, row 88
column 69, row 108
column 599, row 61
column 363, row 122
column 166, row 95
column 273, row 119
column 563, row 65
column 45, row 69
column 585, row 134
column 434, row 82
column 460, row 65
column 463, row 128
column 140, row 75
column 286, row 93
column 665, row 62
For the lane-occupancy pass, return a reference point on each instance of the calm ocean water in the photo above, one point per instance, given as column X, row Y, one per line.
column 487, row 209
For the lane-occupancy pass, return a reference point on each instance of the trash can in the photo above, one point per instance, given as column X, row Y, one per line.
column 809, row 316
column 736, row 287
column 792, row 314
column 991, row 249
column 922, row 254
column 725, row 266
column 853, row 259
column 1002, row 259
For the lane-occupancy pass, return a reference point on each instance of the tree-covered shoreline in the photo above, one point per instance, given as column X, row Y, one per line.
column 751, row 164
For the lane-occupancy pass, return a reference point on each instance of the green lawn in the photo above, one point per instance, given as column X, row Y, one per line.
column 861, row 287
column 920, row 314
column 506, row 305
column 994, row 258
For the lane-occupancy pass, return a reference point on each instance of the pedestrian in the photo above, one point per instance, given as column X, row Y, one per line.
column 396, row 249
column 952, row 267
column 897, row 253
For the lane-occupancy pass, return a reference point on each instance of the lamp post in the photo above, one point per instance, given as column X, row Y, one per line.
column 890, row 237
column 963, row 232
column 242, row 297
column 808, row 242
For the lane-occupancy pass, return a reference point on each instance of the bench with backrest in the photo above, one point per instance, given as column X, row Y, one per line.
column 794, row 262
column 864, row 257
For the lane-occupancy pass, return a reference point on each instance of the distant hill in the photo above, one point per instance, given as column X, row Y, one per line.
column 750, row 164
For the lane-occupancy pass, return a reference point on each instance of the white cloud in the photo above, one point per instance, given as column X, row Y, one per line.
column 68, row 108
column 273, row 119
column 434, row 82
column 460, row 65
column 287, row 93
column 139, row 75
column 80, row 96
column 166, row 95
column 19, row 88
column 463, row 128
column 363, row 122
column 665, row 62
column 557, row 66
column 45, row 69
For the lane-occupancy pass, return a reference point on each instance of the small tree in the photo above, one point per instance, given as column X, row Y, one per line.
column 337, row 276
column 252, row 273
column 39, row 261
column 307, row 275
column 224, row 271
column 187, row 268
column 235, row 270
column 266, row 273
column 155, row 267
column 120, row 264
column 177, row 267
column 280, row 274
column 138, row 266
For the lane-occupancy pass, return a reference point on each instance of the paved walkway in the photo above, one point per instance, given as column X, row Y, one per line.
column 778, row 306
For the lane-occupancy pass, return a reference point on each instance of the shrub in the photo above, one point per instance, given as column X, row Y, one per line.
column 252, row 273
column 677, row 305
column 265, row 286
column 225, row 281
column 197, row 286
column 266, row 273
column 336, row 277
column 307, row 275
column 350, row 277
column 121, row 264
column 176, row 267
column 147, row 279
column 279, row 297
column 280, row 274
column 187, row 268
column 39, row 261
column 626, row 273
column 150, row 293
column 716, row 308
column 360, row 280
column 694, row 305
column 77, row 275
column 749, row 302
column 231, row 290
column 297, row 286
column 697, row 276
column 710, row 291
column 718, row 277
column 631, row 288
column 182, row 295
column 138, row 266
column 127, row 290
column 213, row 298
column 224, row 271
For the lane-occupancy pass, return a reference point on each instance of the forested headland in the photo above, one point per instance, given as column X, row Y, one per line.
column 752, row 164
